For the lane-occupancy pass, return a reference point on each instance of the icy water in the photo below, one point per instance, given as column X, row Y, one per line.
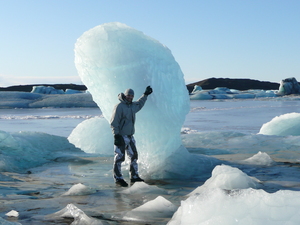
column 37, row 193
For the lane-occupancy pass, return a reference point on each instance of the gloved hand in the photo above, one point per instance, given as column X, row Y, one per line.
column 119, row 141
column 148, row 90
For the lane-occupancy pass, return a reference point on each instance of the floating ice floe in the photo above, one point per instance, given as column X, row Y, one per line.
column 226, row 93
column 218, row 143
column 52, row 90
column 24, row 150
column 287, row 86
column 16, row 99
column 46, row 90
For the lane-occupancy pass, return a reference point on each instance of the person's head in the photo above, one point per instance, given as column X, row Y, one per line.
column 129, row 94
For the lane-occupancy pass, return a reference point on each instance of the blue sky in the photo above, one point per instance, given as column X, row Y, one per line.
column 256, row 39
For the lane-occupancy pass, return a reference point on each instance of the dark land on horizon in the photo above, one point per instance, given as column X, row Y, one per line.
column 210, row 83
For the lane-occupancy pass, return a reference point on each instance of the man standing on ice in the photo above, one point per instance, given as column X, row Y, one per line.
column 122, row 124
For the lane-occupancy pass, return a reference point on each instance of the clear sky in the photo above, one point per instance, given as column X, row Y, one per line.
column 256, row 39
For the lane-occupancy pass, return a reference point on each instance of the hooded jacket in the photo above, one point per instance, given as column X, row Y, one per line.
column 123, row 117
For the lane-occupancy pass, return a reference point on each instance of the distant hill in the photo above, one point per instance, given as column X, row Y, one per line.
column 238, row 84
column 28, row 88
column 210, row 83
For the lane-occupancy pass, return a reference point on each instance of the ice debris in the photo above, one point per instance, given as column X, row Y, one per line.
column 260, row 159
column 142, row 187
column 12, row 213
column 80, row 218
column 79, row 189
column 159, row 207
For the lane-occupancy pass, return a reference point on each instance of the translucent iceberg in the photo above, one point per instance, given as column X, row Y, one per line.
column 113, row 57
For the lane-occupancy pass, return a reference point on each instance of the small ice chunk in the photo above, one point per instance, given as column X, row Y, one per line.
column 227, row 178
column 196, row 89
column 160, row 204
column 12, row 213
column 142, row 187
column 261, row 159
column 80, row 218
column 79, row 189
column 159, row 207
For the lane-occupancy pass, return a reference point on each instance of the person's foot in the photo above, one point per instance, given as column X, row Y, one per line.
column 137, row 179
column 121, row 183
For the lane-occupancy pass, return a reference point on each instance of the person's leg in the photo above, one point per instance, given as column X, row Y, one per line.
column 118, row 159
column 133, row 155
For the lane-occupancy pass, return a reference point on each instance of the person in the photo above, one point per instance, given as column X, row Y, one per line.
column 122, row 124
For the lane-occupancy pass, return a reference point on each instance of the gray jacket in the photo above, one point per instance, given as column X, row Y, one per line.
column 123, row 117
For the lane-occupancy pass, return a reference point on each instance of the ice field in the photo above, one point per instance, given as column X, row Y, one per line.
column 226, row 130
column 223, row 161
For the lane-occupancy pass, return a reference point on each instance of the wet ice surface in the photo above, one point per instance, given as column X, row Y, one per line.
column 38, row 194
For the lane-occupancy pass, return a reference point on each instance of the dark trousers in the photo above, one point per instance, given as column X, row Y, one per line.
column 130, row 148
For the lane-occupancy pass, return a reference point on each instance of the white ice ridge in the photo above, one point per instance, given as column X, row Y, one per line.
column 227, row 178
column 246, row 206
column 283, row 125
column 113, row 57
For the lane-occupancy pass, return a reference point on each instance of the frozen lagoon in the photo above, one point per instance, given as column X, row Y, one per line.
column 224, row 129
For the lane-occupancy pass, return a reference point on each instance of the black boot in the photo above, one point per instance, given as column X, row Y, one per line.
column 137, row 179
column 121, row 183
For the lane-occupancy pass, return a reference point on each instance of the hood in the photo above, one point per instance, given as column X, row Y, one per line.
column 122, row 98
